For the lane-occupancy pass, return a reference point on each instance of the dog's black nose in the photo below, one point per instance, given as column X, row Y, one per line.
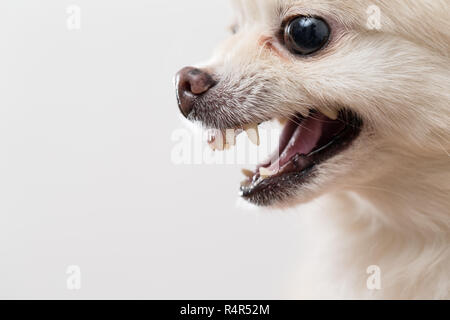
column 190, row 83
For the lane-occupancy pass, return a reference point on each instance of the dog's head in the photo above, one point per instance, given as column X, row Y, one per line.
column 358, row 84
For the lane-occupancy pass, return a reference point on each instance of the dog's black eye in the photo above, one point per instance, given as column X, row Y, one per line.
column 306, row 35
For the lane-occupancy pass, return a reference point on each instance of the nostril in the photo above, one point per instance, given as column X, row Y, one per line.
column 200, row 81
column 190, row 83
column 195, row 80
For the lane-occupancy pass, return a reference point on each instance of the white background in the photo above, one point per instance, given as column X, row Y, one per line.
column 86, row 176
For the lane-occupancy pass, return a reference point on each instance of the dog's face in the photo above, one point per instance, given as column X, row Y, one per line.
column 353, row 81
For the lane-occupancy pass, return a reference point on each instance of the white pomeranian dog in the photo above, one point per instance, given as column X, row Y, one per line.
column 363, row 90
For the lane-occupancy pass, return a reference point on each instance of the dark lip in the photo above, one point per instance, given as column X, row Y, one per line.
column 289, row 179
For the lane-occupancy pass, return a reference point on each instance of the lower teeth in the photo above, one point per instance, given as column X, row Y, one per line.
column 266, row 173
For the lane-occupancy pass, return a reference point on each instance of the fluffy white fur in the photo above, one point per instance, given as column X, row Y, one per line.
column 386, row 200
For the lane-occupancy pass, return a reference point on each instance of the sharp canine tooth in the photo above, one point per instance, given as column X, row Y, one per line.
column 219, row 140
column 265, row 173
column 330, row 113
column 282, row 121
column 248, row 173
column 220, row 147
column 230, row 137
column 252, row 133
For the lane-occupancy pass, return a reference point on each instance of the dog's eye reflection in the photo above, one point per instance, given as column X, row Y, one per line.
column 306, row 35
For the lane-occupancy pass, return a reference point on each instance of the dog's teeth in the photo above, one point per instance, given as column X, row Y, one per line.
column 248, row 173
column 220, row 146
column 330, row 113
column 266, row 173
column 282, row 121
column 218, row 143
column 211, row 140
column 252, row 133
column 230, row 137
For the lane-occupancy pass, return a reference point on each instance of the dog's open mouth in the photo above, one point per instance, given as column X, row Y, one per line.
column 305, row 142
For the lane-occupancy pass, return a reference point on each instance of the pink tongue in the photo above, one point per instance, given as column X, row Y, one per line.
column 303, row 141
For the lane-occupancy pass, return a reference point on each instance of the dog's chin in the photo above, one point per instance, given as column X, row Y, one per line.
column 294, row 174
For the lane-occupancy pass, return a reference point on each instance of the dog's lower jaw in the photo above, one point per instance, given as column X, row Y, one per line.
column 402, row 229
